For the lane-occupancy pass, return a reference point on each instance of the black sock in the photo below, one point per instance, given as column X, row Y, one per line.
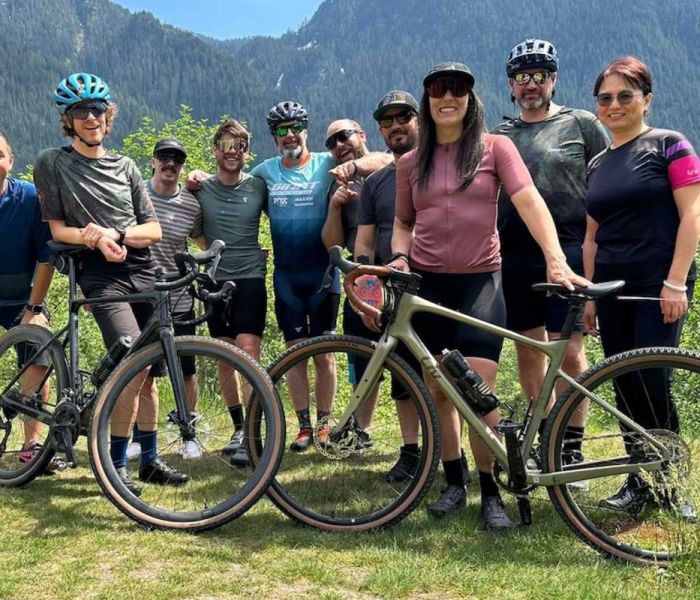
column 453, row 471
column 573, row 438
column 304, row 418
column 410, row 449
column 320, row 414
column 237, row 416
column 488, row 485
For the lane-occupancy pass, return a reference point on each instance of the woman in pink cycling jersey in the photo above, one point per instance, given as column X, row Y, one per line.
column 445, row 229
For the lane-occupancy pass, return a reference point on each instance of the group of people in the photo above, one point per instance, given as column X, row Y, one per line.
column 546, row 195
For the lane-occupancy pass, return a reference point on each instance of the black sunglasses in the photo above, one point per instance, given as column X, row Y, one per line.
column 339, row 137
column 458, row 86
column 166, row 157
column 539, row 77
column 83, row 112
column 606, row 99
column 400, row 118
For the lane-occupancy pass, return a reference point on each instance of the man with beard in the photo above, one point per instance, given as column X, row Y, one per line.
column 556, row 143
column 232, row 202
column 298, row 182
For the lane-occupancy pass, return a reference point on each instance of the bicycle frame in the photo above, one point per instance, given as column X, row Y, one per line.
column 400, row 329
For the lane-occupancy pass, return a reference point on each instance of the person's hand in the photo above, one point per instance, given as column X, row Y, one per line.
column 371, row 324
column 400, row 264
column 589, row 319
column 343, row 195
column 558, row 271
column 30, row 318
column 91, row 234
column 345, row 173
column 194, row 180
column 112, row 251
column 674, row 304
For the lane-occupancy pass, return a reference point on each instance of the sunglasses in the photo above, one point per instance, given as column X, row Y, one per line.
column 606, row 99
column 339, row 137
column 229, row 145
column 458, row 86
column 283, row 130
column 400, row 118
column 539, row 77
column 83, row 112
column 166, row 157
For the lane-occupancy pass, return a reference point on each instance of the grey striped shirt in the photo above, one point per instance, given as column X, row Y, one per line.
column 180, row 217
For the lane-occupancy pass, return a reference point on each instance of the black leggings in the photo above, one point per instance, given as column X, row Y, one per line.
column 625, row 325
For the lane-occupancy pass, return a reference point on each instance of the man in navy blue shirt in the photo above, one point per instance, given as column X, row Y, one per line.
column 24, row 280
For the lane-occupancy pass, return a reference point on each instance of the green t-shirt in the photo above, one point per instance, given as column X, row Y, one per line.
column 232, row 214
column 108, row 191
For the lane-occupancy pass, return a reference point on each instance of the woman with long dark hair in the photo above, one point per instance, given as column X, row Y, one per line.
column 643, row 203
column 445, row 229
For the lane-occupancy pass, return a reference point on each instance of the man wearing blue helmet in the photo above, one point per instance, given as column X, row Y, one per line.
column 556, row 142
column 97, row 198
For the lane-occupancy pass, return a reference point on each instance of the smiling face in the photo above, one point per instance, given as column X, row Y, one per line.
column 397, row 137
column 619, row 117
column 349, row 146
column 531, row 95
column 89, row 124
column 232, row 159
column 167, row 167
column 292, row 145
column 448, row 111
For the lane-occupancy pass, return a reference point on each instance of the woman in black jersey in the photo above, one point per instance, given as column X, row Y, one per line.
column 643, row 203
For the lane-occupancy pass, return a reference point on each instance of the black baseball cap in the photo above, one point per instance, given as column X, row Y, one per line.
column 395, row 99
column 171, row 144
column 449, row 68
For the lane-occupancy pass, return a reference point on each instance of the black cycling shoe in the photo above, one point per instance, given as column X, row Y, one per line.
column 632, row 496
column 161, row 474
column 128, row 482
column 304, row 439
column 494, row 515
column 452, row 498
column 405, row 467
column 237, row 440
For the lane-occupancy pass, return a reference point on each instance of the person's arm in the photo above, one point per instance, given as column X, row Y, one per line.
column 43, row 274
column 112, row 251
column 590, row 248
column 405, row 216
column 361, row 167
column 332, row 233
column 364, row 242
column 674, row 303
column 194, row 179
column 200, row 241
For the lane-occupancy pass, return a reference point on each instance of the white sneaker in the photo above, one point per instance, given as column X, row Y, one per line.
column 133, row 450
column 191, row 450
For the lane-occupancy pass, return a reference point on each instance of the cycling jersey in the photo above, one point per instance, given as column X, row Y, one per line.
column 377, row 202
column 297, row 206
column 556, row 152
column 455, row 229
column 630, row 196
column 23, row 237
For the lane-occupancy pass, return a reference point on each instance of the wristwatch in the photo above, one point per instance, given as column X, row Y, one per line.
column 37, row 309
column 122, row 234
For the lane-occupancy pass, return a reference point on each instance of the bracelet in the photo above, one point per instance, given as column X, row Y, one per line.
column 675, row 288
column 397, row 256
column 354, row 164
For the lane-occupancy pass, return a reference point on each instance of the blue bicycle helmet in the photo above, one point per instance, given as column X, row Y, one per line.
column 531, row 54
column 80, row 87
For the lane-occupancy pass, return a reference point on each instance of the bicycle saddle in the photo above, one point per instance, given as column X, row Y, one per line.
column 595, row 290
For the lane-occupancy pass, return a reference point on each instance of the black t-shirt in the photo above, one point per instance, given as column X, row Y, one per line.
column 556, row 152
column 630, row 196
column 377, row 206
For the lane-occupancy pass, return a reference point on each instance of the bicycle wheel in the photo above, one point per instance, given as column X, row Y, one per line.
column 216, row 491
column 25, row 444
column 341, row 483
column 648, row 516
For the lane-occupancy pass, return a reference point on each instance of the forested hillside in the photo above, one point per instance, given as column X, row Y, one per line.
column 339, row 63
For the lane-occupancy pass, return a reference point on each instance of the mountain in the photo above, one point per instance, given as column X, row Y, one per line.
column 338, row 64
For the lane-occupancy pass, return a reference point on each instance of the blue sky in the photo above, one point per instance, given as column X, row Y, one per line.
column 229, row 19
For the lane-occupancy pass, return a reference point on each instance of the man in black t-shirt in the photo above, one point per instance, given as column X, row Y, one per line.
column 556, row 143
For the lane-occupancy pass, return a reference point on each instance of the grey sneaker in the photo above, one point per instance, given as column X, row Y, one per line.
column 236, row 442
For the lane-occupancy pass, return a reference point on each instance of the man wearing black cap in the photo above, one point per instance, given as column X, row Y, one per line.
column 180, row 217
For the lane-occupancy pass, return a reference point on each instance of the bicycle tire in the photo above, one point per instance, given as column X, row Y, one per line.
column 13, row 472
column 355, row 496
column 207, row 500
column 659, row 526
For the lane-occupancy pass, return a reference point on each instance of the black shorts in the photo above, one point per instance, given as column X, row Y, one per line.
column 479, row 295
column 187, row 362
column 11, row 316
column 302, row 308
column 353, row 325
column 526, row 309
column 245, row 312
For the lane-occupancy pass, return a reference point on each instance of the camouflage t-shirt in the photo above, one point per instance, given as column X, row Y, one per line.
column 556, row 151
column 108, row 191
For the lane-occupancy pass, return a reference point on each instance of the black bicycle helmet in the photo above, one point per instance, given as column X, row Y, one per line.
column 289, row 110
column 531, row 54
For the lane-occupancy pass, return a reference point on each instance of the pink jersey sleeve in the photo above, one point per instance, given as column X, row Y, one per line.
column 510, row 166
column 683, row 164
column 405, row 209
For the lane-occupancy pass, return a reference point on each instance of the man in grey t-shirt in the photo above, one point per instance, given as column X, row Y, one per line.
column 232, row 203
